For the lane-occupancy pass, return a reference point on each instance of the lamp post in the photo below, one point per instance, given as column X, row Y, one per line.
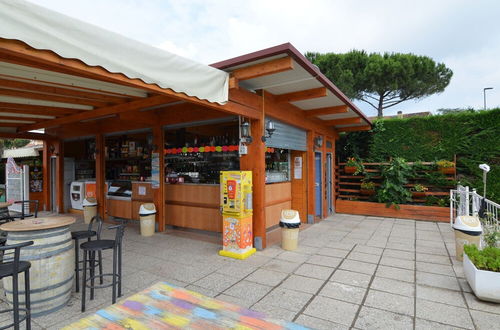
column 484, row 95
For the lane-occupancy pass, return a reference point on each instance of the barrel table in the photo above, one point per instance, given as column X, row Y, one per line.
column 52, row 258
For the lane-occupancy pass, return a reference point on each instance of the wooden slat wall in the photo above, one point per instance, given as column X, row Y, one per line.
column 193, row 206
column 278, row 197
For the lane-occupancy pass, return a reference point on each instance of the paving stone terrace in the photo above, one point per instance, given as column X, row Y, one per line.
column 350, row 272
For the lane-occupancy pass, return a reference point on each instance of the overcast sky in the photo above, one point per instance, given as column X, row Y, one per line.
column 465, row 35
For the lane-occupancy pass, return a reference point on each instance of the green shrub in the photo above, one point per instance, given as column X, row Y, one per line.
column 485, row 259
column 395, row 177
column 472, row 136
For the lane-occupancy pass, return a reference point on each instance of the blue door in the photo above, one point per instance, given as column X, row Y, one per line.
column 318, row 202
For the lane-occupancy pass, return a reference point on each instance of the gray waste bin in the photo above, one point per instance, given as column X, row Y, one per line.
column 89, row 209
column 289, row 223
column 467, row 231
column 147, row 215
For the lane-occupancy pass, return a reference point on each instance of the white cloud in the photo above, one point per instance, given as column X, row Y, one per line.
column 463, row 34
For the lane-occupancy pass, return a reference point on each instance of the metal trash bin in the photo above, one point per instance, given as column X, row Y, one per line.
column 147, row 215
column 289, row 223
column 467, row 231
column 89, row 209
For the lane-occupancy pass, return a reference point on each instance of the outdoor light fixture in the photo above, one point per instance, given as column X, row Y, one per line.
column 245, row 133
column 484, row 95
column 318, row 142
column 269, row 129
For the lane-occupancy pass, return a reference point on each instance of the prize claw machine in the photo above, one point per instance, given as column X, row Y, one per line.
column 236, row 207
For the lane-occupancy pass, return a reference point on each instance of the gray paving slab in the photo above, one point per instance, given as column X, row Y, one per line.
column 393, row 286
column 287, row 299
column 302, row 284
column 344, row 292
column 314, row 271
column 267, row 277
column 440, row 295
column 358, row 266
column 351, row 278
column 442, row 313
column 390, row 302
column 247, row 290
column 372, row 318
column 440, row 281
column 396, row 273
column 332, row 310
column 320, row 324
column 324, row 260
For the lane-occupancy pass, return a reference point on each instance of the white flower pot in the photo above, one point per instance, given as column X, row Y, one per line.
column 485, row 284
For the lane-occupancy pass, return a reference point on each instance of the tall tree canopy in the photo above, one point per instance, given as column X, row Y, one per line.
column 383, row 81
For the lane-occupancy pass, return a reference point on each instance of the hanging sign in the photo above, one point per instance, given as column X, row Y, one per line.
column 297, row 168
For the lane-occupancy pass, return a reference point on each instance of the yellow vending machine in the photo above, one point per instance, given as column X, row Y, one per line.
column 236, row 207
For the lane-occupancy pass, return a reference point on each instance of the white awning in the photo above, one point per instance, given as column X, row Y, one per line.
column 21, row 152
column 70, row 38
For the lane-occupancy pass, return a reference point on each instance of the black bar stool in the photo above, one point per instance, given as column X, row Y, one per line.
column 89, row 250
column 12, row 266
column 86, row 234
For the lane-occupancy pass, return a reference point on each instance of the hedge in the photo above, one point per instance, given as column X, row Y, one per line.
column 472, row 136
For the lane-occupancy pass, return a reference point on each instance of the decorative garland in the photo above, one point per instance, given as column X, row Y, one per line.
column 183, row 150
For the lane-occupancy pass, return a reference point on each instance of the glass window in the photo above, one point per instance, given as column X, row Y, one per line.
column 277, row 165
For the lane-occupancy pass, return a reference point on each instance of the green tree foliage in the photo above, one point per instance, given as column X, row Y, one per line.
column 383, row 80
column 473, row 136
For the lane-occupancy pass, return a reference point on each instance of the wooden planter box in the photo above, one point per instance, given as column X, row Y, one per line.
column 418, row 194
column 350, row 169
column 367, row 192
column 418, row 212
column 447, row 170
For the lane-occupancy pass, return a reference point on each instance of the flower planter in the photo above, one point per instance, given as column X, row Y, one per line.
column 447, row 170
column 367, row 192
column 418, row 194
column 350, row 169
column 485, row 284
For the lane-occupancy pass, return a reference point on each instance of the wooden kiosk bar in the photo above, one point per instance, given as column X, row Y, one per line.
column 151, row 142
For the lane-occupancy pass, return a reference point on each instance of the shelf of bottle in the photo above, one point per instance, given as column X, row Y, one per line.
column 126, row 159
column 131, row 174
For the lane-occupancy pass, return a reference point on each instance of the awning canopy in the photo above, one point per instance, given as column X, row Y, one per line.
column 70, row 38
column 21, row 152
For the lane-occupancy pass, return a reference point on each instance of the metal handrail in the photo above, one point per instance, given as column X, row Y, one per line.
column 465, row 202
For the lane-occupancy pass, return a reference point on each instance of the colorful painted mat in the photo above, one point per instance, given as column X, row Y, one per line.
column 165, row 306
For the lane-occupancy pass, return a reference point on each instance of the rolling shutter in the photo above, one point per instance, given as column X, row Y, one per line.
column 287, row 137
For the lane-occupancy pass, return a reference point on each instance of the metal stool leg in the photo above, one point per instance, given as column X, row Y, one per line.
column 119, row 270
column 15, row 300
column 77, row 265
column 100, row 267
column 92, row 273
column 27, row 298
column 84, row 280
column 114, row 274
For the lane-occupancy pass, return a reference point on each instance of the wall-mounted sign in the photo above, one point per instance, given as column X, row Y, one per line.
column 297, row 168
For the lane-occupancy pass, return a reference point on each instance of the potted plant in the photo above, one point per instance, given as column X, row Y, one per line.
column 482, row 271
column 367, row 188
column 446, row 167
column 419, row 190
column 353, row 166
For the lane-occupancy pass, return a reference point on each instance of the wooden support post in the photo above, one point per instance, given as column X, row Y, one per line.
column 46, row 176
column 324, row 168
column 159, row 193
column 59, row 149
column 100, row 174
column 255, row 161
column 311, row 166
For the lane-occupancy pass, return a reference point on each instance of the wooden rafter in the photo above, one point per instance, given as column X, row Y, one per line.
column 343, row 121
column 21, row 85
column 35, row 119
column 301, row 95
column 263, row 69
column 354, row 128
column 35, row 109
column 114, row 109
column 29, row 136
column 327, row 111
column 51, row 97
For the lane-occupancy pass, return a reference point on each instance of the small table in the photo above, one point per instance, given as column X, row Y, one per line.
column 52, row 258
column 165, row 306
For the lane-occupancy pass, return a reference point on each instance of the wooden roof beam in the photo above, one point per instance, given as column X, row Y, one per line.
column 35, row 119
column 327, row 111
column 114, row 109
column 51, row 89
column 29, row 136
column 51, row 97
column 301, row 95
column 343, row 121
column 31, row 109
column 354, row 128
column 263, row 69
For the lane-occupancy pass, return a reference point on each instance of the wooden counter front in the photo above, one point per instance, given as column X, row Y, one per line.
column 278, row 197
column 193, row 206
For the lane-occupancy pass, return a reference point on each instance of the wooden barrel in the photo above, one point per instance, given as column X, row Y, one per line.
column 52, row 258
